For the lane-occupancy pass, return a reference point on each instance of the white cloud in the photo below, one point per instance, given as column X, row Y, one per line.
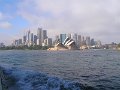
column 1, row 16
column 5, row 25
column 97, row 18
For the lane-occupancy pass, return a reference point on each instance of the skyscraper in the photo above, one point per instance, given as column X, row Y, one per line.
column 24, row 40
column 79, row 42
column 19, row 42
column 83, row 40
column 39, row 36
column 62, row 37
column 28, row 38
column 88, row 42
column 35, row 39
column 92, row 42
column 31, row 39
column 49, row 41
column 44, row 35
column 68, row 35
column 75, row 37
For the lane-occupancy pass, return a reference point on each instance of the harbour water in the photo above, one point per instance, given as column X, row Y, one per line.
column 62, row 70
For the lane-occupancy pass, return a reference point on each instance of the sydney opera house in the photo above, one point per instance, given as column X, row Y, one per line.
column 68, row 44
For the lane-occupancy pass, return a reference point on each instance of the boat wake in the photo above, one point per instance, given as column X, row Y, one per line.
column 19, row 79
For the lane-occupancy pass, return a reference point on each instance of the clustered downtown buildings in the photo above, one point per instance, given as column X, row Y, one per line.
column 81, row 42
column 30, row 39
column 42, row 39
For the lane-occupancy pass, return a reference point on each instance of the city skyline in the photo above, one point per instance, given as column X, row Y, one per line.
column 98, row 19
column 68, row 40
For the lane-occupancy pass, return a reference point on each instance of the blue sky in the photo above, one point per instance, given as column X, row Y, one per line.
column 12, row 22
column 99, row 19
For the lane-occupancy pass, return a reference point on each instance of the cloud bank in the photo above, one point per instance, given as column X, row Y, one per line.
column 4, row 24
column 97, row 18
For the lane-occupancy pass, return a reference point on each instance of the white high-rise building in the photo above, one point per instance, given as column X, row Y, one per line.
column 28, row 38
column 74, row 37
column 88, row 41
column 79, row 41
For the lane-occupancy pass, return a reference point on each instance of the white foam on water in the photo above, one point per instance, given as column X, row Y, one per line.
column 31, row 80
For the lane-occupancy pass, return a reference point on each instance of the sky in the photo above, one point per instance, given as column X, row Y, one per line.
column 99, row 19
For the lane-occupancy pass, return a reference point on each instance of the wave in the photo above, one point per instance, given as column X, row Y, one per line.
column 19, row 79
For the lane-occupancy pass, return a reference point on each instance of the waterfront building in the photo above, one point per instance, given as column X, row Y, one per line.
column 35, row 40
column 98, row 43
column 15, row 42
column 69, row 35
column 79, row 41
column 31, row 39
column 75, row 37
column 44, row 35
column 57, row 39
column 19, row 42
column 83, row 43
column 88, row 41
column 92, row 42
column 62, row 37
column 2, row 45
column 39, row 36
column 49, row 41
column 44, row 42
column 24, row 40
column 28, row 38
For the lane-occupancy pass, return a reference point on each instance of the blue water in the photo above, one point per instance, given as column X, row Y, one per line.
column 62, row 70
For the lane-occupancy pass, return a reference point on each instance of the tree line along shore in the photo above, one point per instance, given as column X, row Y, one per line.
column 36, row 47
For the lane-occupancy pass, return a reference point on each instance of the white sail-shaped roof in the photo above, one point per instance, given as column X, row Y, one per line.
column 70, row 43
column 65, row 40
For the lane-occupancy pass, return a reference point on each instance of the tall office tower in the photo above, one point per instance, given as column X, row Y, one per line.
column 15, row 42
column 74, row 37
column 35, row 39
column 92, row 42
column 19, row 42
column 44, row 35
column 57, row 39
column 69, row 36
column 28, row 38
column 49, row 41
column 31, row 39
column 39, row 36
column 79, row 41
column 83, row 41
column 62, row 37
column 44, row 43
column 24, row 40
column 88, row 42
